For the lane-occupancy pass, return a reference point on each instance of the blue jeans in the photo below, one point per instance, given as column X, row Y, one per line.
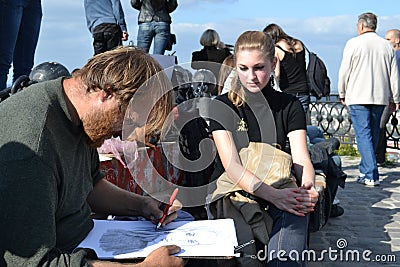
column 315, row 134
column 19, row 33
column 366, row 120
column 160, row 31
column 289, row 234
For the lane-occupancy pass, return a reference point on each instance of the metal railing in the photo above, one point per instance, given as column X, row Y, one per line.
column 334, row 119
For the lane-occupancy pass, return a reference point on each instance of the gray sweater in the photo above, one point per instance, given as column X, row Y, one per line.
column 46, row 174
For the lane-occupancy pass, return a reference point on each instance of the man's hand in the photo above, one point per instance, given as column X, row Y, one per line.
column 125, row 36
column 343, row 101
column 151, row 210
column 393, row 107
column 161, row 257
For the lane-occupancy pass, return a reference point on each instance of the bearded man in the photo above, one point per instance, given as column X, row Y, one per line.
column 50, row 181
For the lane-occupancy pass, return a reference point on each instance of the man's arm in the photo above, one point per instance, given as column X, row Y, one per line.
column 395, row 82
column 160, row 257
column 119, row 15
column 107, row 198
column 344, row 71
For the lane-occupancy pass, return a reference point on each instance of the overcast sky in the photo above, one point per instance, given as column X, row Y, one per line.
column 324, row 26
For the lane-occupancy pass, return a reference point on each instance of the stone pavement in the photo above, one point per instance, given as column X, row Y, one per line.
column 370, row 224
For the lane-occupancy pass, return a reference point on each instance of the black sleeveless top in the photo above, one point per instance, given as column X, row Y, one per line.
column 293, row 79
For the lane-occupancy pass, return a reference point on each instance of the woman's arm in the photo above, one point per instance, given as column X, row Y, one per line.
column 300, row 156
column 285, row 199
column 304, row 169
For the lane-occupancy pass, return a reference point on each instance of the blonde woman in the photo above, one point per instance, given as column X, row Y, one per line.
column 245, row 115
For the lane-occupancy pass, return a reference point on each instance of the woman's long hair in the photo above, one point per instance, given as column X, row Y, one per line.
column 277, row 34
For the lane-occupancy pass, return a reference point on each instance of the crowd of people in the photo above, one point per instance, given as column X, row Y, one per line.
column 49, row 165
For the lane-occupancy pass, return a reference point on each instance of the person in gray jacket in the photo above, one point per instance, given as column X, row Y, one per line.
column 154, row 23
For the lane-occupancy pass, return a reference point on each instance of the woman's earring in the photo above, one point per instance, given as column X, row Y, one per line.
column 272, row 79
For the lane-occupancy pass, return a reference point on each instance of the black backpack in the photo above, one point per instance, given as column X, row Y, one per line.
column 317, row 75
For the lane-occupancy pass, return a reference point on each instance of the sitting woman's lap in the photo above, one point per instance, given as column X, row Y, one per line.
column 288, row 238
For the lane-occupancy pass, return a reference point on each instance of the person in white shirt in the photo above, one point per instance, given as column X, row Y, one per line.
column 368, row 80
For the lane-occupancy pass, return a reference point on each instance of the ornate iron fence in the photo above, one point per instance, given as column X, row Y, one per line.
column 334, row 119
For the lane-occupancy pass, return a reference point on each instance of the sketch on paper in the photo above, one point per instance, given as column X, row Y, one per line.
column 136, row 239
column 121, row 241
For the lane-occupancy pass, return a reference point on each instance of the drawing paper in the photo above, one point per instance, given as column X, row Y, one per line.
column 136, row 239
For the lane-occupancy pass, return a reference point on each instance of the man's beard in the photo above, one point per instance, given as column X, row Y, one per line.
column 101, row 125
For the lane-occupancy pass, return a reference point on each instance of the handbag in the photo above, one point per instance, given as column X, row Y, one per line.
column 270, row 164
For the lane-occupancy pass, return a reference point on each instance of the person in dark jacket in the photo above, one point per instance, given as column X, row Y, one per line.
column 212, row 55
column 154, row 23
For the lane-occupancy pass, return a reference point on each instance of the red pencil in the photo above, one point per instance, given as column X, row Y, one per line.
column 165, row 212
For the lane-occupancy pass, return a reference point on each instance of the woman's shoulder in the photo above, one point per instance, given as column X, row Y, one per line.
column 298, row 46
column 280, row 99
column 223, row 98
column 284, row 45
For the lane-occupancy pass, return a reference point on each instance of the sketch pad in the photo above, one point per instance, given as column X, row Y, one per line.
column 136, row 239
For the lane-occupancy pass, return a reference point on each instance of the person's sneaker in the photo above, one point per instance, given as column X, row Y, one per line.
column 361, row 179
column 336, row 201
column 381, row 164
column 371, row 182
column 336, row 211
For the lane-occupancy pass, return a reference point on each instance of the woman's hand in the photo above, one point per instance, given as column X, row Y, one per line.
column 308, row 199
column 298, row 201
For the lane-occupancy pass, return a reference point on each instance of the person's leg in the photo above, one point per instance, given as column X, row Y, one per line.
column 145, row 35
column 113, row 37
column 361, row 116
column 380, row 150
column 99, row 44
column 315, row 134
column 10, row 14
column 288, row 238
column 162, row 30
column 27, row 40
column 376, row 119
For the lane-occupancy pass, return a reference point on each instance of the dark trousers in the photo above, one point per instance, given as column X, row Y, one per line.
column 106, row 37
column 20, row 22
column 380, row 150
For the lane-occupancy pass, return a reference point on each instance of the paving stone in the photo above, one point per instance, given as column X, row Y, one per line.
column 371, row 219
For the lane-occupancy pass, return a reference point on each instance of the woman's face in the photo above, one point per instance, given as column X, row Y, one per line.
column 254, row 69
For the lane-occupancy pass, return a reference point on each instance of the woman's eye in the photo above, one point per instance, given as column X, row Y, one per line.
column 259, row 67
column 243, row 68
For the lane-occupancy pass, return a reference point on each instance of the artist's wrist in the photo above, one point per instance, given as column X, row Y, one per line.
column 136, row 205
